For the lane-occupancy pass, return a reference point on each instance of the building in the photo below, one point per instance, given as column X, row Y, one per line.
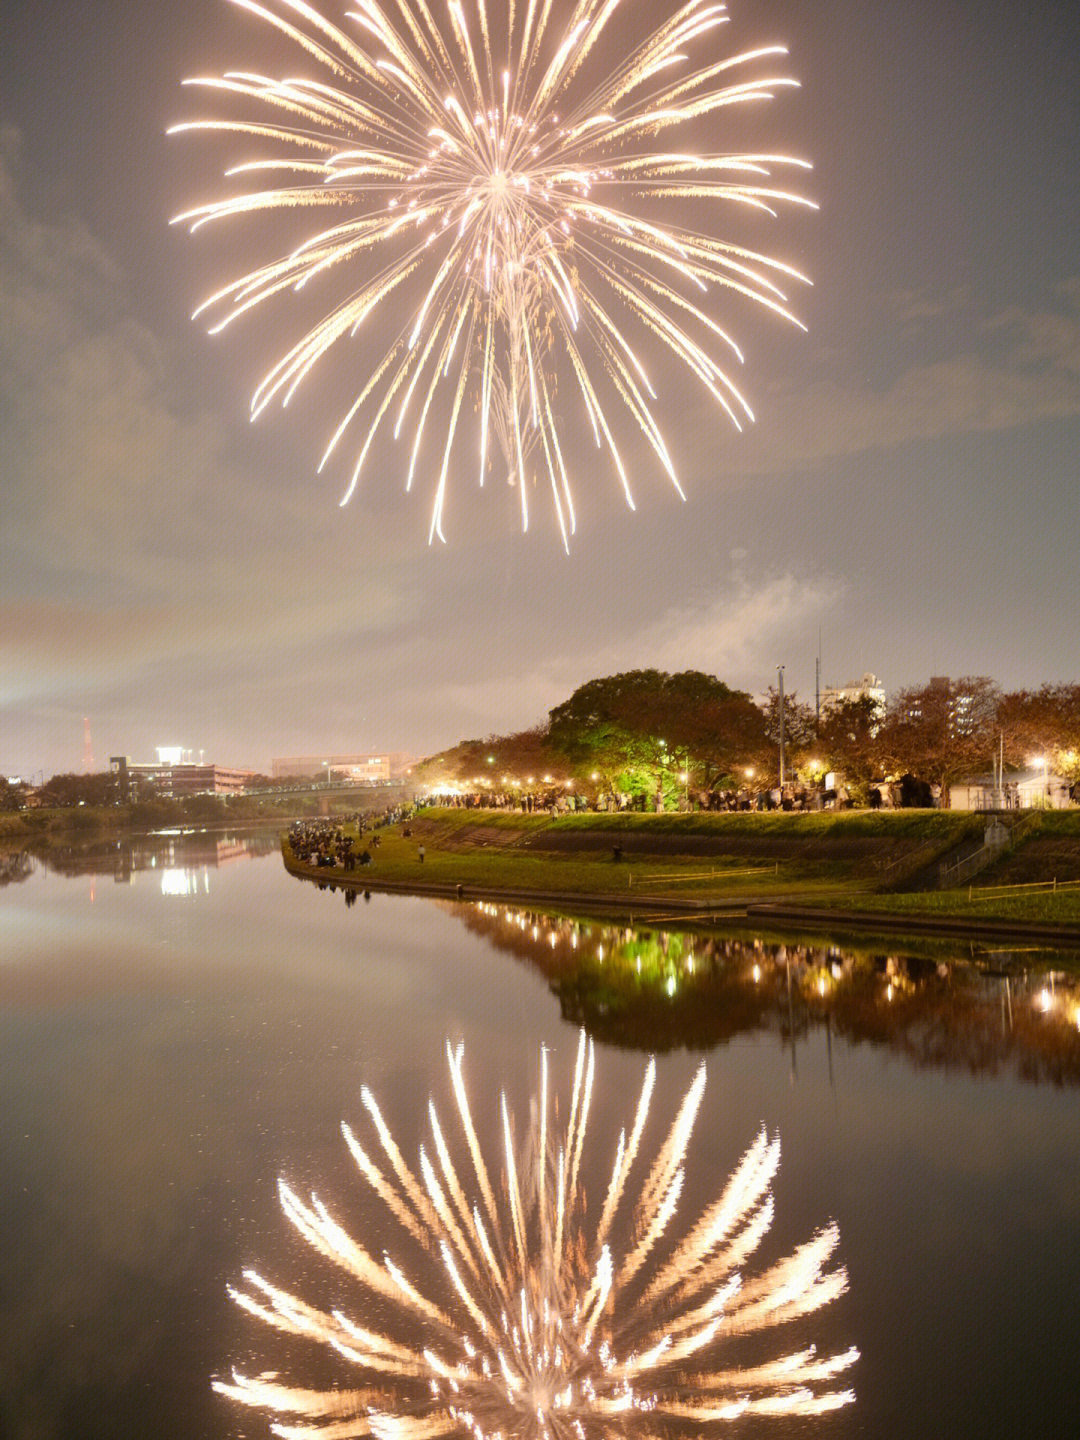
column 960, row 712
column 175, row 780
column 367, row 768
column 1037, row 789
column 868, row 688
column 180, row 780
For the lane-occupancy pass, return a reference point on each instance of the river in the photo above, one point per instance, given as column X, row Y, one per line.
column 182, row 1024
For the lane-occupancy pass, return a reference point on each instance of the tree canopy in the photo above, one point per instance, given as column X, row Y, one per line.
column 649, row 728
column 941, row 731
column 650, row 732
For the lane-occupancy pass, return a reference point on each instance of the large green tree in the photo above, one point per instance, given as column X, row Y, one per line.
column 643, row 730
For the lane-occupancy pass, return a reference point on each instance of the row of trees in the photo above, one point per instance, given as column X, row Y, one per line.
column 646, row 731
column 98, row 788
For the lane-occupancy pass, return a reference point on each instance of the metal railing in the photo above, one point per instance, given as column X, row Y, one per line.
column 1050, row 886
column 678, row 879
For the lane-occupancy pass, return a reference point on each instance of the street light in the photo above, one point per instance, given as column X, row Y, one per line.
column 780, row 675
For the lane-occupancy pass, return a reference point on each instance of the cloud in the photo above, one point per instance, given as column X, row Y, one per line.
column 740, row 629
column 132, row 540
column 733, row 634
column 941, row 371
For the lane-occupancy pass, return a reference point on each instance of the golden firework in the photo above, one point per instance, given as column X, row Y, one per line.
column 517, row 1315
column 518, row 210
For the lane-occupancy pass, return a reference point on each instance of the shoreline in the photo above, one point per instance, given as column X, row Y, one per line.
column 782, row 913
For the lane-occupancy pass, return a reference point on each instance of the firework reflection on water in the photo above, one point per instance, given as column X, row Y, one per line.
column 522, row 1311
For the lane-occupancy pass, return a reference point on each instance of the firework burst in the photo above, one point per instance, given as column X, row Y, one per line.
column 520, row 1316
column 507, row 183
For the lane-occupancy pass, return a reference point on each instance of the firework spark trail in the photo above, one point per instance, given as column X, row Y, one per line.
column 525, row 1329
column 477, row 152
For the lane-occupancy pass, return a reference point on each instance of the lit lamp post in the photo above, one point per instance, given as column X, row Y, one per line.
column 780, row 688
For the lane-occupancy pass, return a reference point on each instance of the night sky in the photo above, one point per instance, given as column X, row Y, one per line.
column 908, row 494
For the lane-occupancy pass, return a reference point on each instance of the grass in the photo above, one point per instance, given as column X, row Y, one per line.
column 450, row 859
column 1040, row 904
column 833, row 860
column 923, row 825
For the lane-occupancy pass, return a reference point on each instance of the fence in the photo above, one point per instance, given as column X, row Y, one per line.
column 665, row 877
column 1048, row 885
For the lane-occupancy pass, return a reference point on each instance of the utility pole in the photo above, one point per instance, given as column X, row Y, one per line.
column 780, row 677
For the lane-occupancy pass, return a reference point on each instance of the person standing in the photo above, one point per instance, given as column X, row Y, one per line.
column 420, row 854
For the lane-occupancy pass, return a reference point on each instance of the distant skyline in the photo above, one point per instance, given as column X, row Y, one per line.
column 909, row 490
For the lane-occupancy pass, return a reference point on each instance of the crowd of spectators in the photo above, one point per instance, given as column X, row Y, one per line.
column 560, row 800
column 328, row 844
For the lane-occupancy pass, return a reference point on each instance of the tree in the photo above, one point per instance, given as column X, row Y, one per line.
column 518, row 756
column 847, row 739
column 264, row 782
column 941, row 731
column 609, row 727
column 798, row 732
column 723, row 737
column 71, row 789
column 642, row 730
column 497, row 760
column 1043, row 722
column 10, row 795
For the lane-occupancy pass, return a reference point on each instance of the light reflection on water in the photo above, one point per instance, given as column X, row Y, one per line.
column 184, row 858
column 941, row 1004
column 520, row 1315
column 164, row 1062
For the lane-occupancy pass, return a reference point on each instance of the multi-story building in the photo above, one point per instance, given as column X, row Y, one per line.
column 868, row 688
column 163, row 777
column 368, row 767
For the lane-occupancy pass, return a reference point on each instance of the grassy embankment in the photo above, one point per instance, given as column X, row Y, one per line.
column 73, row 822
column 1036, row 879
column 697, row 860
column 885, row 862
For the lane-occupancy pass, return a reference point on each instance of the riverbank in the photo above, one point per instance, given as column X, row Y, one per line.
column 875, row 869
column 70, row 823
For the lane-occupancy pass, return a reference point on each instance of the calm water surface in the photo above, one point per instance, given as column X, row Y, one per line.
column 181, row 1023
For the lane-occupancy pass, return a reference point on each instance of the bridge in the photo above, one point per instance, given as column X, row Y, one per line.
column 338, row 794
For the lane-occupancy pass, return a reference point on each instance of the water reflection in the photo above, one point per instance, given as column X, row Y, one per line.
column 16, row 867
column 519, row 1311
column 163, row 1061
column 183, row 859
column 986, row 1012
